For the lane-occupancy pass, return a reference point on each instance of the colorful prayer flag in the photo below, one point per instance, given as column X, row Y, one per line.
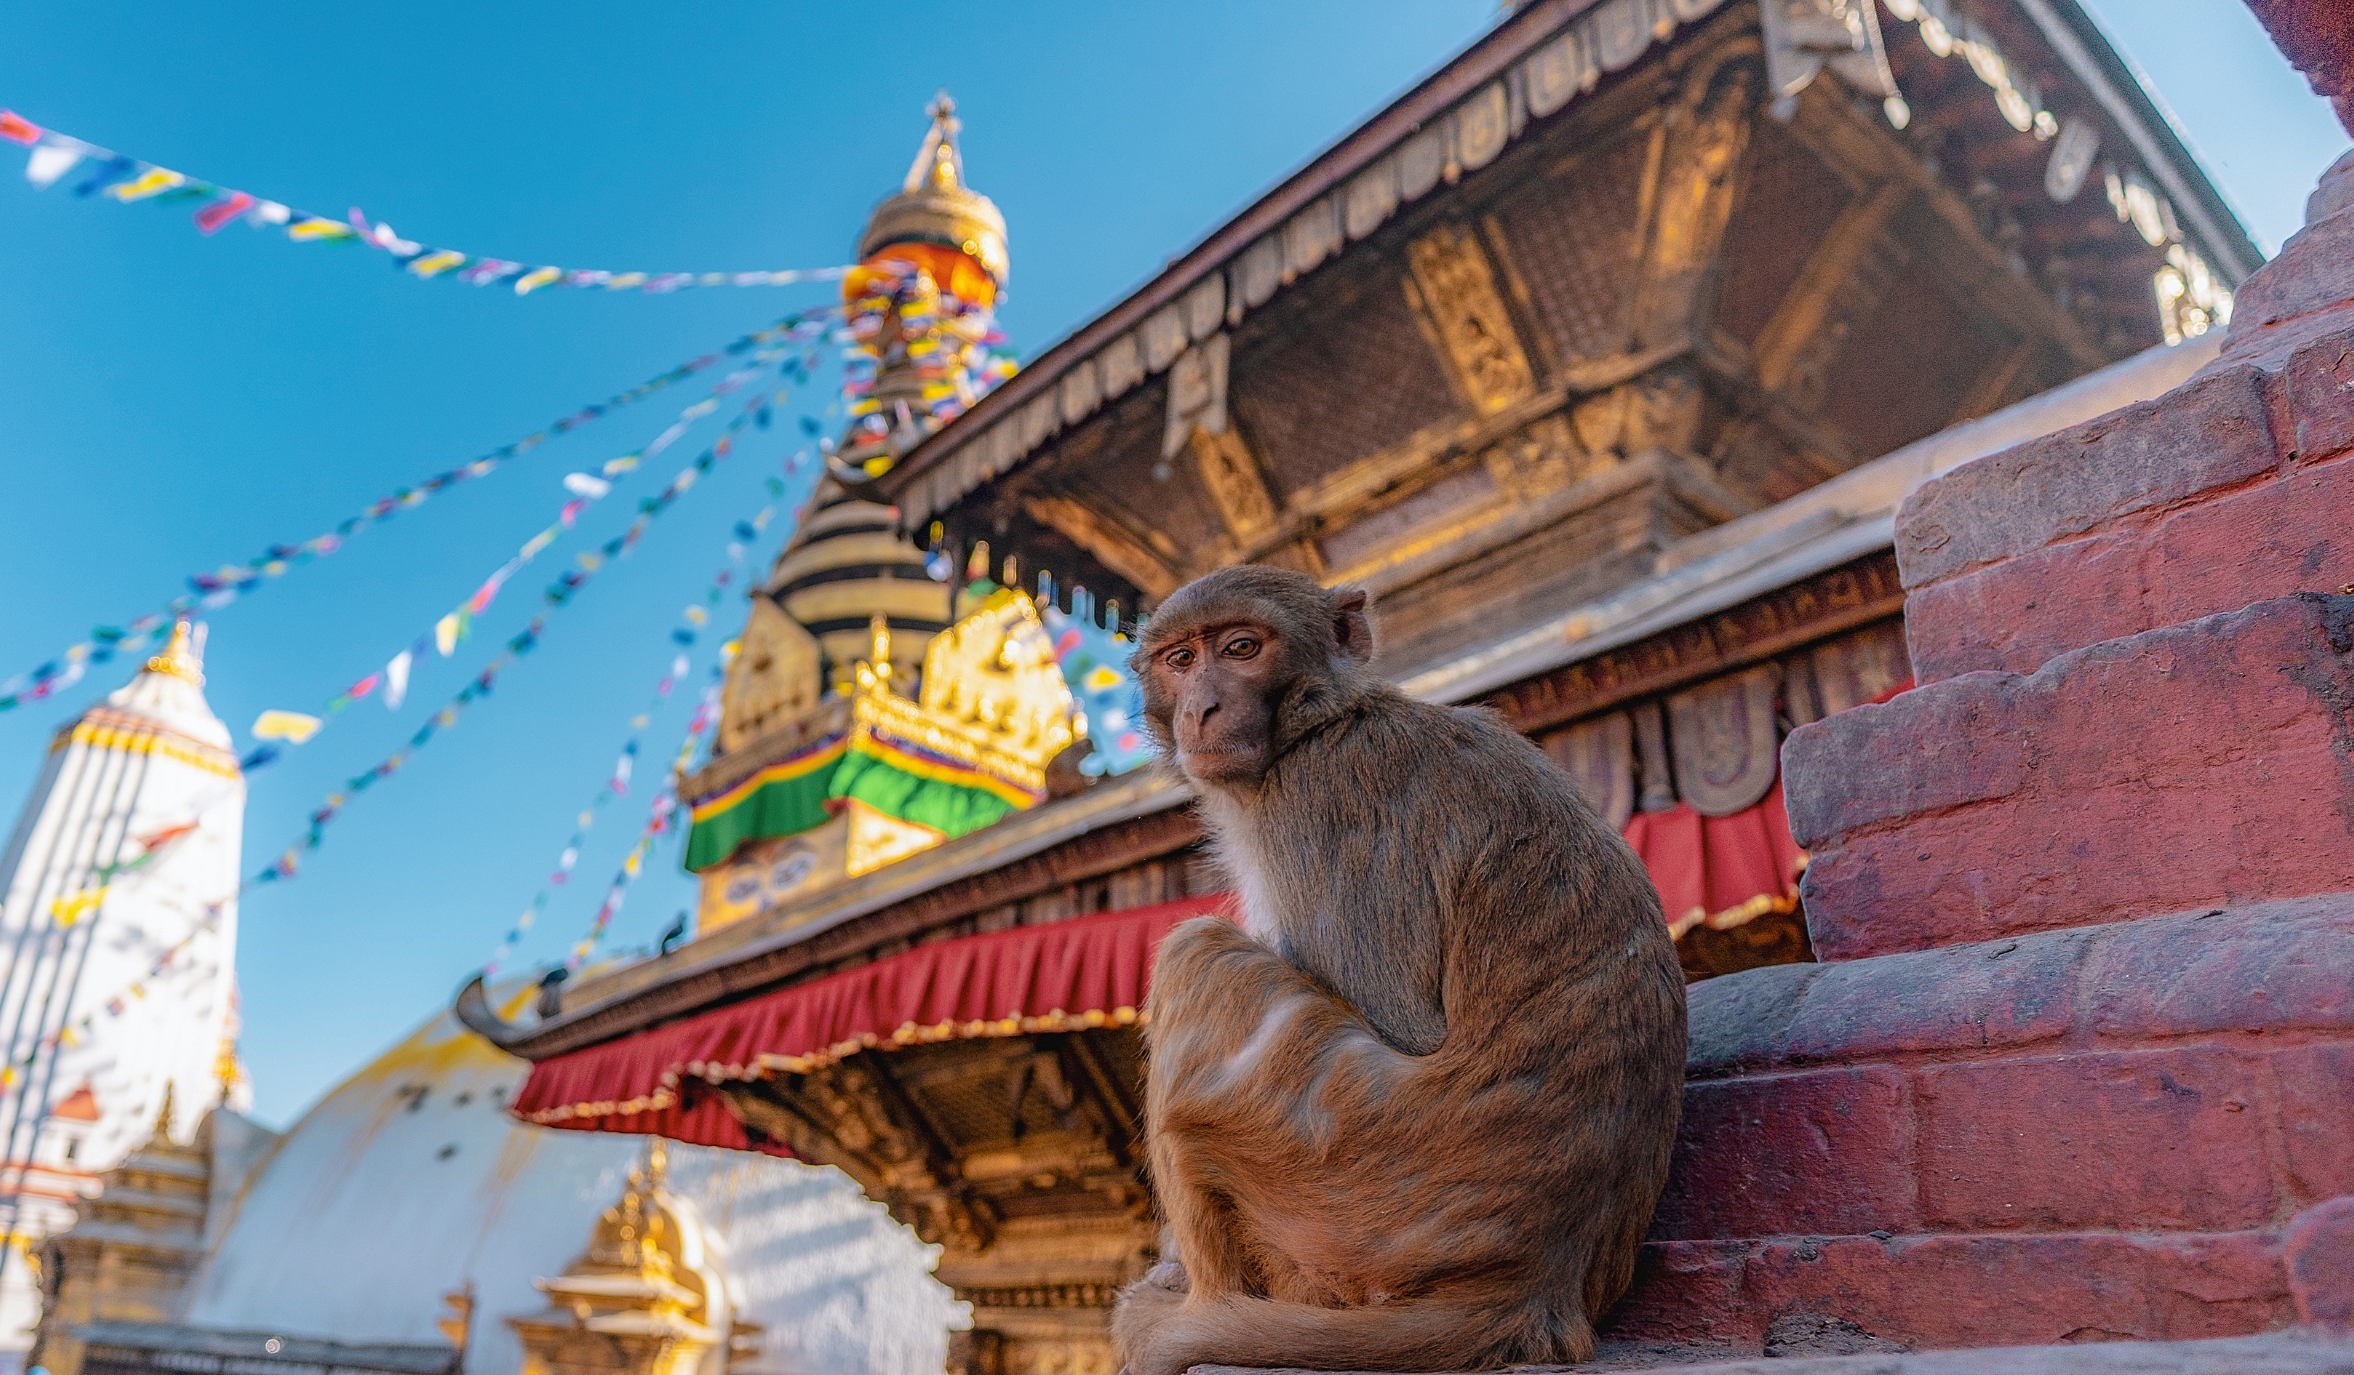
column 48, row 163
column 210, row 219
column 291, row 726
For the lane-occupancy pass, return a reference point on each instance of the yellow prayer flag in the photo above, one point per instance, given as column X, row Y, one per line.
column 435, row 263
column 290, row 726
column 69, row 908
column 445, row 634
column 535, row 279
column 316, row 228
column 152, row 182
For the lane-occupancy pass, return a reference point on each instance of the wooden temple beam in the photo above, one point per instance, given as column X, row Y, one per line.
column 1832, row 288
column 1430, row 456
column 1860, row 148
column 1140, row 559
column 1994, row 386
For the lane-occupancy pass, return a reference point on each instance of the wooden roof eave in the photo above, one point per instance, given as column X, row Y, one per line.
column 918, row 483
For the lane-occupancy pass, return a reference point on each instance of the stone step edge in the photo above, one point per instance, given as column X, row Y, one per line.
column 2136, row 984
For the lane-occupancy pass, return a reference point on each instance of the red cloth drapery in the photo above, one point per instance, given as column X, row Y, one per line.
column 1719, row 871
column 1087, row 972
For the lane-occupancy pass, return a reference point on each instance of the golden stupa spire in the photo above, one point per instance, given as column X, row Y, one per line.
column 183, row 658
column 939, row 162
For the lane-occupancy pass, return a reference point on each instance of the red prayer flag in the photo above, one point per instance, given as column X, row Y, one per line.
column 17, row 129
column 220, row 212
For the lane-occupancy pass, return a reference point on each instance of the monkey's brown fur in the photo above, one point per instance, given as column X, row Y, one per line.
column 1416, row 1114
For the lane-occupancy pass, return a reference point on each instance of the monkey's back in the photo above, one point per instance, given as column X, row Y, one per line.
column 1513, row 1120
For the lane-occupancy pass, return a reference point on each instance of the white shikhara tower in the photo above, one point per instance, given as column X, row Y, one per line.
column 127, row 852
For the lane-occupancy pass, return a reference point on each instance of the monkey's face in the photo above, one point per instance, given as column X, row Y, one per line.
column 1211, row 691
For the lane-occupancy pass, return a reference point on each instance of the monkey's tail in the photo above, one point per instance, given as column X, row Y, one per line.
column 1425, row 1334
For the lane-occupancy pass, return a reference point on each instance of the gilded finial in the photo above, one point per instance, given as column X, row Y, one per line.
column 163, row 1116
column 939, row 162
column 183, row 658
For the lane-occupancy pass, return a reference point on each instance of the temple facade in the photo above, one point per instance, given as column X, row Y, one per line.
column 1606, row 357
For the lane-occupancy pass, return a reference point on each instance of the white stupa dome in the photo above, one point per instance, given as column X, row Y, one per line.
column 409, row 1181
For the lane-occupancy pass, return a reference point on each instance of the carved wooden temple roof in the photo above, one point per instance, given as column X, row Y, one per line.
column 1432, row 354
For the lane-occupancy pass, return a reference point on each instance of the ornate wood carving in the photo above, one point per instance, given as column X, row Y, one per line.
column 1707, row 131
column 1148, row 568
column 1846, row 672
column 1599, row 754
column 1840, row 599
column 1235, row 483
column 1453, row 292
column 1197, row 393
column 1726, row 749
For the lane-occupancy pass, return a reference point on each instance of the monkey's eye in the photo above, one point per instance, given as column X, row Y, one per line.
column 1241, row 647
column 1179, row 657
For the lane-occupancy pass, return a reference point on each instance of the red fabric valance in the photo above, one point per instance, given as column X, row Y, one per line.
column 1719, row 871
column 1086, row 972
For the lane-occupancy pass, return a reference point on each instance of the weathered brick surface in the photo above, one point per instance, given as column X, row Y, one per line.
column 2281, row 971
column 2209, row 763
column 2315, row 1085
column 2320, row 391
column 1832, row 1149
column 1967, row 1290
column 2319, row 1257
column 2263, row 971
column 2306, row 290
column 1740, row 1022
column 2165, row 1140
column 2210, row 432
column 2293, row 532
column 1987, row 999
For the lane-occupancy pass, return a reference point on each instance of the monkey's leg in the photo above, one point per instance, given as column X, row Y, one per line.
column 1236, row 1034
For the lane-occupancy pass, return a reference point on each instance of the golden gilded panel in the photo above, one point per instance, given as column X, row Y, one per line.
column 1453, row 291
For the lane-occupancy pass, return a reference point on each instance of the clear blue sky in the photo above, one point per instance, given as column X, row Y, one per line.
column 169, row 402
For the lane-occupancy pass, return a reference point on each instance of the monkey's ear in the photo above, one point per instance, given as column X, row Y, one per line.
column 1352, row 623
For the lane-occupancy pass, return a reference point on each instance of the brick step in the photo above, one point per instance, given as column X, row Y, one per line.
column 2232, row 489
column 1963, row 1290
column 2205, row 764
column 2184, row 1073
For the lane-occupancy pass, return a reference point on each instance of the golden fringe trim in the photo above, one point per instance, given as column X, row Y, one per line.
column 908, row 1034
column 99, row 733
column 1738, row 915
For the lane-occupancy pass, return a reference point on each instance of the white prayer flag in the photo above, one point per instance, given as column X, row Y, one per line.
column 48, row 163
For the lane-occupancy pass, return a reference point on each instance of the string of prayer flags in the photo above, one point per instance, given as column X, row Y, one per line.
column 556, row 596
column 956, row 346
column 127, row 179
column 658, row 819
column 217, row 589
column 741, row 537
column 450, row 630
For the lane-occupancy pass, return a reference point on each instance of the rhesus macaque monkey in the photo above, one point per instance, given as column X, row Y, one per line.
column 1415, row 1113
